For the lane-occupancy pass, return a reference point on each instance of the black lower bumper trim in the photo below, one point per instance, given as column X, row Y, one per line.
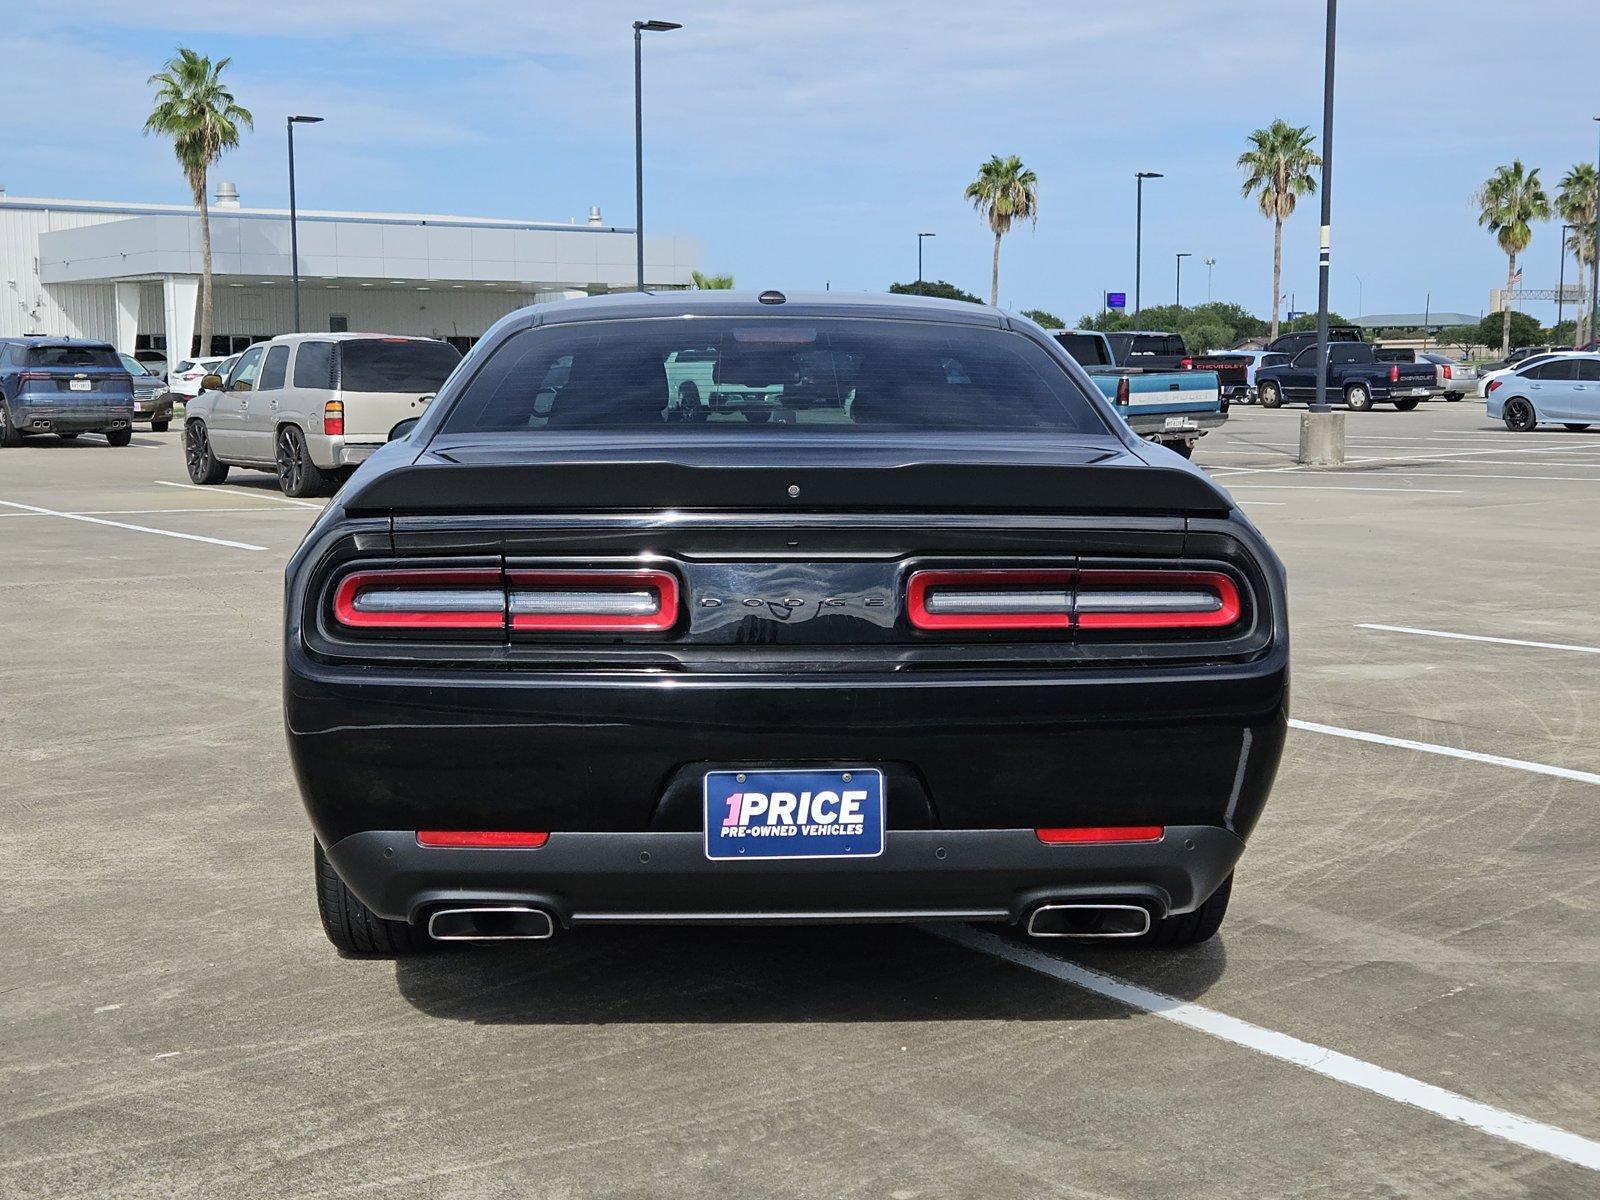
column 666, row 878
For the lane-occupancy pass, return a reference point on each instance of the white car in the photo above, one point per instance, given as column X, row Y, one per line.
column 184, row 381
column 1531, row 360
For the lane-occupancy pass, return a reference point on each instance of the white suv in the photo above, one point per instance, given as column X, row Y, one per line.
column 311, row 406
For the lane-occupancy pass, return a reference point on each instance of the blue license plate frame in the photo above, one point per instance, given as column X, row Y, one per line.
column 813, row 813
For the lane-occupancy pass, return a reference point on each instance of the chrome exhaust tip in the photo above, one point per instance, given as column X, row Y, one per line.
column 1096, row 921
column 499, row 923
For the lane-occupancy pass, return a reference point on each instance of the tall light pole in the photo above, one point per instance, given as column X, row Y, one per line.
column 639, row 28
column 1594, row 267
column 920, row 236
column 1138, row 233
column 1361, row 297
column 1210, row 262
column 1177, row 294
column 1320, row 404
column 294, row 230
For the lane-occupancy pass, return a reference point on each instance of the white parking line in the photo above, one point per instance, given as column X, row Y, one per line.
column 1380, row 1081
column 188, row 537
column 1494, row 760
column 215, row 489
column 1445, row 456
column 1330, row 487
column 1478, row 637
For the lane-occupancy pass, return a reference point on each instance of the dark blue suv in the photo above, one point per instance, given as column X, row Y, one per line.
column 64, row 386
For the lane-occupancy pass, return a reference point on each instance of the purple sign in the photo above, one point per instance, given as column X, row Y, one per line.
column 1116, row 299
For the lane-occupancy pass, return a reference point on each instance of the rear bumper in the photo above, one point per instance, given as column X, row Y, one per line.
column 1195, row 424
column 923, row 874
column 332, row 453
column 57, row 418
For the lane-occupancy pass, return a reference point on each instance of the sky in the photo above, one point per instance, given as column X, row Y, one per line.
column 806, row 144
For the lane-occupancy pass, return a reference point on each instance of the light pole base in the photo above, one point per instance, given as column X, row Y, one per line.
column 1322, row 439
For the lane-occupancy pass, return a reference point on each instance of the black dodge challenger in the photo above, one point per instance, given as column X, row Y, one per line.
column 715, row 607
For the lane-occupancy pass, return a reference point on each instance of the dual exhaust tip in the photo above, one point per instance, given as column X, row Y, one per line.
column 1098, row 922
column 491, row 923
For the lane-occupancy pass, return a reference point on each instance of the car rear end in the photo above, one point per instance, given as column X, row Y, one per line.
column 72, row 387
column 879, row 659
column 1412, row 380
column 1232, row 372
column 375, row 382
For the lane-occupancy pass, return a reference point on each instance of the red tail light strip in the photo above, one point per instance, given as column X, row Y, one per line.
column 1091, row 834
column 482, row 839
column 636, row 601
column 1156, row 600
column 997, row 599
column 468, row 598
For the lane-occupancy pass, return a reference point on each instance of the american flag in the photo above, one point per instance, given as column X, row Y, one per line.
column 1517, row 278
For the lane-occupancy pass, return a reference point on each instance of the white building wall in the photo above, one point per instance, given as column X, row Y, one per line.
column 438, row 312
column 28, row 306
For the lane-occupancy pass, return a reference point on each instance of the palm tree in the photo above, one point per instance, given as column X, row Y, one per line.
column 1277, row 170
column 1004, row 191
column 198, row 113
column 1509, row 202
column 1576, row 202
column 711, row 283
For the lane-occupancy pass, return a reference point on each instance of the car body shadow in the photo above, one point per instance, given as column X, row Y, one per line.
column 776, row 975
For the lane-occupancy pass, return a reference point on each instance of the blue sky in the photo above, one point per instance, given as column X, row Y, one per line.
column 806, row 144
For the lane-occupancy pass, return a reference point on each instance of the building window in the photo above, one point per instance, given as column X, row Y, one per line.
column 338, row 322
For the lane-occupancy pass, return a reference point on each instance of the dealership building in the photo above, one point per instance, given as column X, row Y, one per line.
column 130, row 273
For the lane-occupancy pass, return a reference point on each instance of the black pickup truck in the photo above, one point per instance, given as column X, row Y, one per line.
column 1152, row 351
column 1354, row 374
column 1293, row 343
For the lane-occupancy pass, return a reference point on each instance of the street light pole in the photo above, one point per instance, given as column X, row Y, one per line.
column 1323, row 263
column 1177, row 295
column 294, row 230
column 1594, row 266
column 639, row 28
column 1138, row 236
column 1210, row 262
column 920, row 236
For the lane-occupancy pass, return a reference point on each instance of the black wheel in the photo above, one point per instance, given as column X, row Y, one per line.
column 1576, row 428
column 1270, row 396
column 689, row 406
column 10, row 435
column 1184, row 448
column 758, row 416
column 203, row 465
column 67, row 437
column 1405, row 405
column 297, row 474
column 353, row 928
column 1187, row 929
column 1358, row 397
column 1519, row 416
column 1452, row 397
column 158, row 426
column 119, row 437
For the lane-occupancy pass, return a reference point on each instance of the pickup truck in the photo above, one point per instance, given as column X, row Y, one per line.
column 1354, row 373
column 1175, row 408
column 1293, row 343
column 1155, row 351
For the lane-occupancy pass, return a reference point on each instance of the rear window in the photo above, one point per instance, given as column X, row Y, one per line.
column 1088, row 351
column 1396, row 356
column 73, row 356
column 1144, row 345
column 827, row 376
column 379, row 365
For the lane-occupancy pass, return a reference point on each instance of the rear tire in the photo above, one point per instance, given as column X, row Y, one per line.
column 297, row 474
column 353, row 928
column 9, row 434
column 1576, row 428
column 1188, row 929
column 119, row 437
column 1184, row 448
column 1270, row 396
column 1405, row 405
column 158, row 426
column 1357, row 398
column 203, row 465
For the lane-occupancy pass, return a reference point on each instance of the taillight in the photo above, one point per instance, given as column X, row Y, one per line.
column 637, row 601
column 35, row 376
column 333, row 418
column 482, row 839
column 998, row 599
column 1123, row 390
column 468, row 598
column 1493, row 383
column 1024, row 598
column 1089, row 834
column 1394, row 373
column 1155, row 600
column 1448, row 374
column 1187, row 364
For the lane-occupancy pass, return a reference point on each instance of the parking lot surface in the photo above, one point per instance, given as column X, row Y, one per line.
column 1403, row 1001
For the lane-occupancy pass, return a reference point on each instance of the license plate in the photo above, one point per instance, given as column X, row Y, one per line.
column 1419, row 391
column 1177, row 423
column 80, row 385
column 794, row 814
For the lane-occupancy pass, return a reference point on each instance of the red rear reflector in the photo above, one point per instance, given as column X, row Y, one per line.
column 1081, row 834
column 995, row 599
column 1394, row 373
column 1188, row 364
column 624, row 601
column 467, row 598
column 494, row 839
column 1155, row 600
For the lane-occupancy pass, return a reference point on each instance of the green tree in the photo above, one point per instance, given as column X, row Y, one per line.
column 1510, row 329
column 1576, row 202
column 1107, row 321
column 1307, row 322
column 1509, row 202
column 1277, row 170
column 711, row 283
column 934, row 287
column 1040, row 317
column 1004, row 191
column 195, row 110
